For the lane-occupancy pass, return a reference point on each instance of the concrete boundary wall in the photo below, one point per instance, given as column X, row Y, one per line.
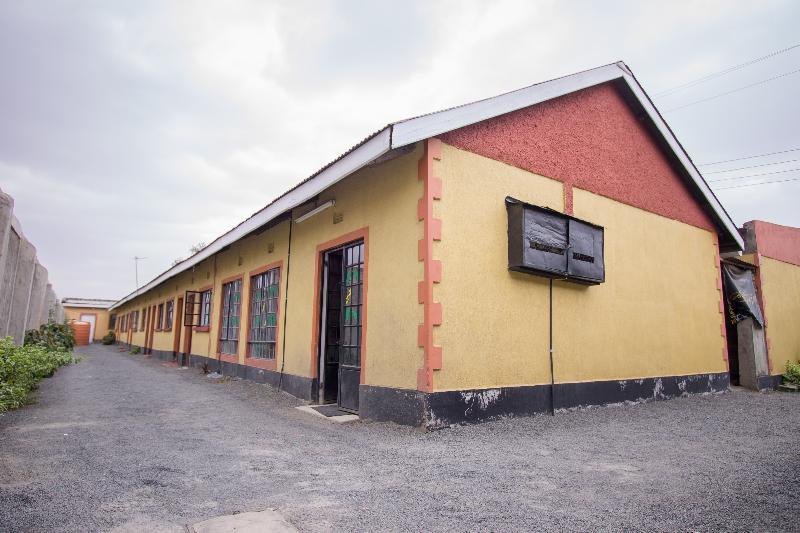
column 21, row 291
column 48, row 310
column 7, row 281
column 27, row 299
column 38, row 293
column 6, row 214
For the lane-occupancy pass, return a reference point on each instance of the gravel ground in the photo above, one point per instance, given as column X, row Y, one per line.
column 124, row 443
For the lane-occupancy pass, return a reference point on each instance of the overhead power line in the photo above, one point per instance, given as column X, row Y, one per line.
column 754, row 184
column 726, row 93
column 753, row 166
column 723, row 72
column 747, row 157
column 756, row 175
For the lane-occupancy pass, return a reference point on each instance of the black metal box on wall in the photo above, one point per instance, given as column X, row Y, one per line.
column 551, row 244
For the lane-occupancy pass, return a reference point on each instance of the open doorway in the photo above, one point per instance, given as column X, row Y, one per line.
column 341, row 294
column 176, row 340
column 91, row 318
column 732, row 338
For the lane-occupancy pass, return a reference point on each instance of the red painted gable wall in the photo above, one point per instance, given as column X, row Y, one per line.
column 589, row 139
column 776, row 241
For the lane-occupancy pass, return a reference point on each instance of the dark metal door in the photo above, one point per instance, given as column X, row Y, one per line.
column 351, row 319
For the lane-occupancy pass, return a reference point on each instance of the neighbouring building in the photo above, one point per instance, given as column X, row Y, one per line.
column 91, row 310
column 27, row 299
column 763, row 330
column 548, row 248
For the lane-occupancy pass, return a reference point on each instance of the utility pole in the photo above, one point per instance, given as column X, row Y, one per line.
column 136, row 266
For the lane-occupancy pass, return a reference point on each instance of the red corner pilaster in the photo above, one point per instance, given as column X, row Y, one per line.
column 432, row 268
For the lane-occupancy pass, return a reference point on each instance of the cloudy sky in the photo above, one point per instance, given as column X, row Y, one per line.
column 140, row 128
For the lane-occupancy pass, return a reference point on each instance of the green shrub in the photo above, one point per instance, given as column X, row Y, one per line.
column 135, row 350
column 792, row 374
column 109, row 338
column 22, row 367
column 54, row 337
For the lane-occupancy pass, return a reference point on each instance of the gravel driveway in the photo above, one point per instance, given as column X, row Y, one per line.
column 124, row 443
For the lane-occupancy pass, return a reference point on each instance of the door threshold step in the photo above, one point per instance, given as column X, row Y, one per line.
column 330, row 412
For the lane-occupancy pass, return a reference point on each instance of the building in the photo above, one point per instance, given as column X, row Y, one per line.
column 548, row 248
column 766, row 335
column 91, row 310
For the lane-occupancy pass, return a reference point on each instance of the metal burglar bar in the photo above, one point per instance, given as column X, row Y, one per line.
column 205, row 308
column 191, row 314
column 352, row 286
column 231, row 310
column 352, row 298
column 263, row 334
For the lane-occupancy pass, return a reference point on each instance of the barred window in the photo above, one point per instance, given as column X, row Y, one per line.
column 144, row 319
column 263, row 334
column 170, row 313
column 230, row 317
column 205, row 308
column 160, row 322
column 353, row 301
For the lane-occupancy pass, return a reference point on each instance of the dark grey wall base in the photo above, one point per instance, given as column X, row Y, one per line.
column 441, row 409
column 163, row 356
column 299, row 386
column 575, row 395
column 402, row 406
column 456, row 407
column 769, row 382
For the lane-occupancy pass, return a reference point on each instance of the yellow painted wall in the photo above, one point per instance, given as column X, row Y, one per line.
column 780, row 286
column 101, row 325
column 494, row 330
column 382, row 198
column 202, row 276
column 657, row 314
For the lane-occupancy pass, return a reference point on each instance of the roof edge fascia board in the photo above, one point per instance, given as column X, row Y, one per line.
column 427, row 126
column 86, row 306
column 684, row 159
column 362, row 155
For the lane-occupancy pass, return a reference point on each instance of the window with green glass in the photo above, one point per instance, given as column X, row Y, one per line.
column 231, row 315
column 263, row 334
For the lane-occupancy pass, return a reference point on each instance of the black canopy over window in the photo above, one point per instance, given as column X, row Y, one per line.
column 548, row 243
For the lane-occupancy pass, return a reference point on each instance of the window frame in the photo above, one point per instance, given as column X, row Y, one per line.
column 202, row 291
column 223, row 283
column 169, row 314
column 260, row 362
column 159, row 316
